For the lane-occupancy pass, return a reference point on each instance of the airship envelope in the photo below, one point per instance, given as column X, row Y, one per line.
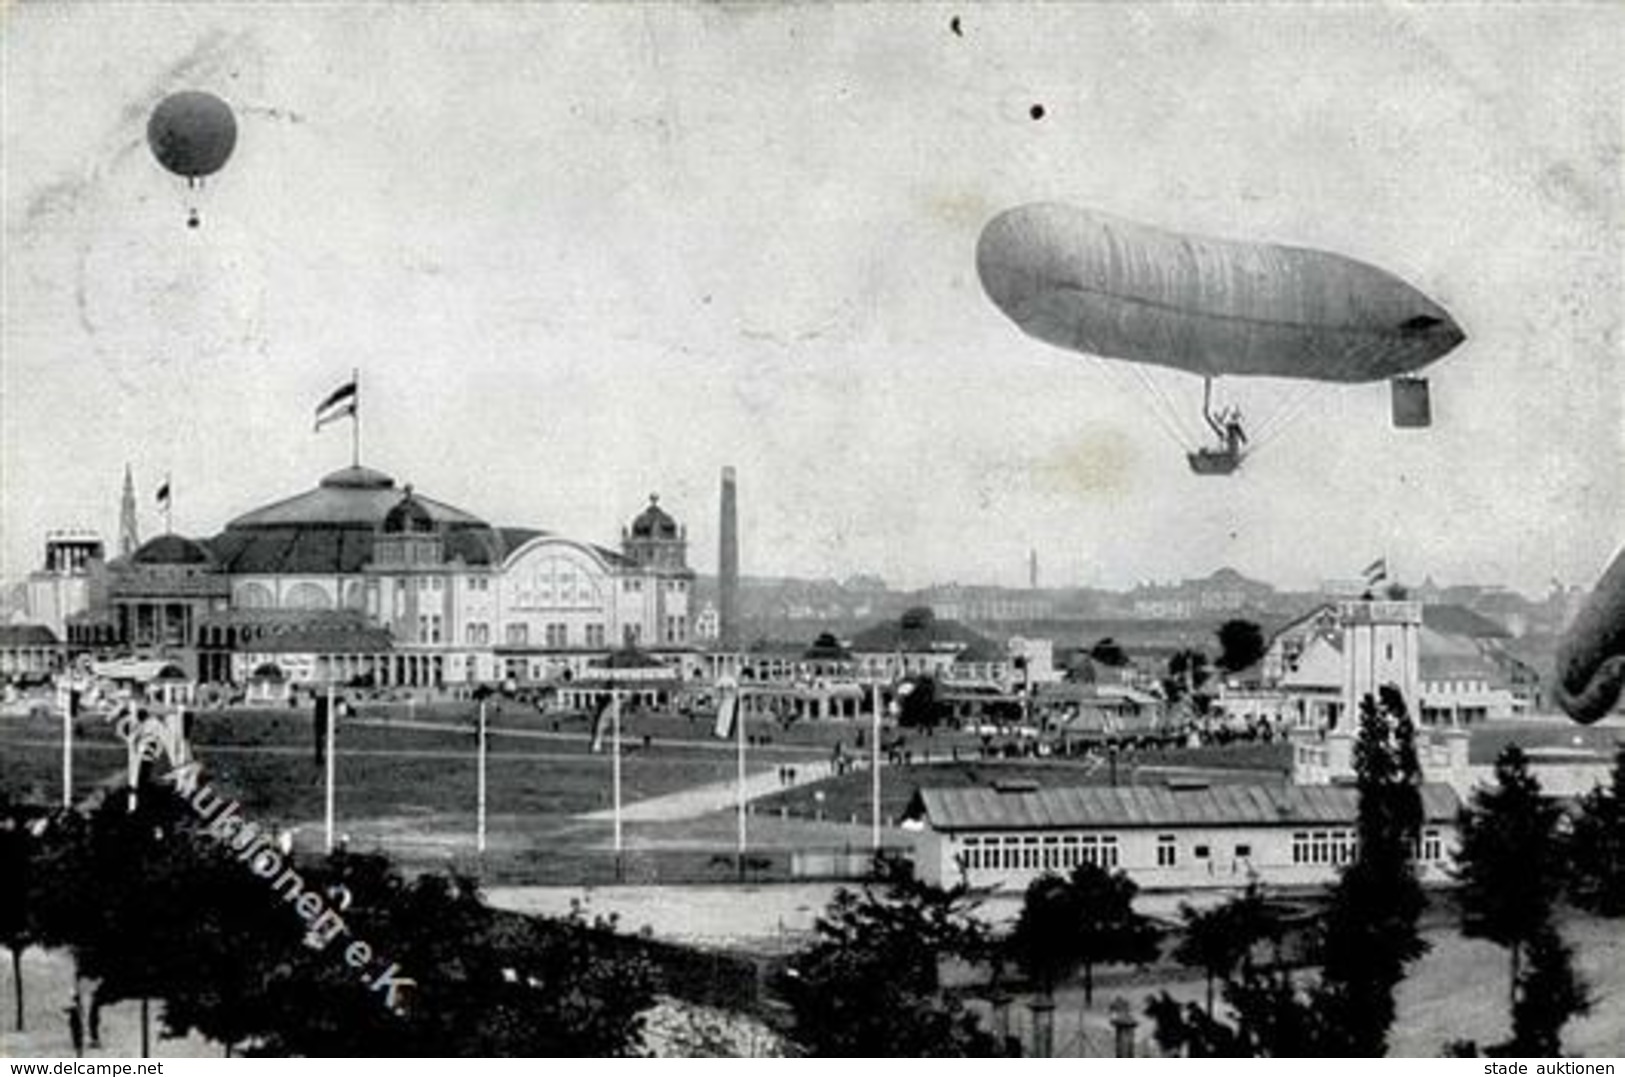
column 1109, row 287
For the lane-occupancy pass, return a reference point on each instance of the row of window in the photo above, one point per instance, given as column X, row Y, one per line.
column 1340, row 847
column 1065, row 851
column 634, row 584
column 1323, row 847
column 1050, row 852
column 557, row 634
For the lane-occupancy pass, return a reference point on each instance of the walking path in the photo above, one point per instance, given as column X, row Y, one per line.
column 711, row 797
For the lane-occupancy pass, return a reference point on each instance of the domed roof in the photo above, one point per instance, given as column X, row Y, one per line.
column 352, row 496
column 654, row 522
column 171, row 550
column 357, row 477
column 331, row 528
column 408, row 516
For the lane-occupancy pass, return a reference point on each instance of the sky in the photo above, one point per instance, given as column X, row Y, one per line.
column 583, row 254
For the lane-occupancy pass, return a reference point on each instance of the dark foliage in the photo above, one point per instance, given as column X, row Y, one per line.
column 1218, row 939
column 917, row 706
column 869, row 985
column 1081, row 921
column 1371, row 933
column 1241, row 644
column 1368, row 939
column 21, row 828
column 1109, row 653
column 1510, row 860
column 155, row 906
column 1597, row 848
column 1549, row 993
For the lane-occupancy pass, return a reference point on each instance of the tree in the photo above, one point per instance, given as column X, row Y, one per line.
column 1218, row 939
column 1241, row 644
column 1187, row 673
column 917, row 704
column 20, row 896
column 1509, row 861
column 1109, row 653
column 868, row 985
column 1368, row 938
column 1596, row 847
column 1550, row 992
column 156, row 907
column 1081, row 921
column 1371, row 934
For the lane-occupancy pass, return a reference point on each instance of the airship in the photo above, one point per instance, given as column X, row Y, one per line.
column 192, row 134
column 1119, row 290
column 1591, row 653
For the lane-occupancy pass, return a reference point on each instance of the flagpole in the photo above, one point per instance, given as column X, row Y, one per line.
column 169, row 505
column 355, row 418
column 739, row 739
column 874, row 772
column 479, row 840
column 332, row 720
column 67, row 750
column 615, row 772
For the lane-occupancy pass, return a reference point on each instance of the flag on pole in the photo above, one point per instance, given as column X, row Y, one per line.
column 339, row 403
column 1376, row 572
column 600, row 722
column 163, row 494
column 727, row 713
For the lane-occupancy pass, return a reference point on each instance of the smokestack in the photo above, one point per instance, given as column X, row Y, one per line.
column 728, row 565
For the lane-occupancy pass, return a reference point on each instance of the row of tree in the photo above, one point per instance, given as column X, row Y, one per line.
column 153, row 907
column 1520, row 855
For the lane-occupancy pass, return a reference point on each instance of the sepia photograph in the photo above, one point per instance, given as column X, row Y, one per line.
column 812, row 529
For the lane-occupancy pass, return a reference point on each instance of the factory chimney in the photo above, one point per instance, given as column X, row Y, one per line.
column 728, row 565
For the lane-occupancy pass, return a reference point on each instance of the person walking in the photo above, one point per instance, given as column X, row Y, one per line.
column 76, row 1027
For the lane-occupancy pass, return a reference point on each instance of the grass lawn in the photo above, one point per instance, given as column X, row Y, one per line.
column 265, row 759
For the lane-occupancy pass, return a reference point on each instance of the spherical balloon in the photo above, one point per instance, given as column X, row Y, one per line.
column 192, row 133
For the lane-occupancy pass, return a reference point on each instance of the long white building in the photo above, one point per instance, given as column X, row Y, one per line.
column 1005, row 836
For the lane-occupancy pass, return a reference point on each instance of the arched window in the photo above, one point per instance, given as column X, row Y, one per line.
column 307, row 596
column 355, row 595
column 254, row 596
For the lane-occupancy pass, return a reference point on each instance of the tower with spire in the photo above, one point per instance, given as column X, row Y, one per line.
column 129, row 537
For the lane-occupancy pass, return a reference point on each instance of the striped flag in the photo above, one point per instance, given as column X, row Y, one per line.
column 340, row 402
column 727, row 713
column 1376, row 572
column 600, row 722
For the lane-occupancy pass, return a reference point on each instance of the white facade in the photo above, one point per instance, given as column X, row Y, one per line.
column 1162, row 858
column 1381, row 646
column 1010, row 849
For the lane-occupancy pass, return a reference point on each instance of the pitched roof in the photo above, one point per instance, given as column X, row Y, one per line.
column 1461, row 621
column 320, row 639
column 989, row 808
column 170, row 549
column 915, row 631
column 27, row 636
